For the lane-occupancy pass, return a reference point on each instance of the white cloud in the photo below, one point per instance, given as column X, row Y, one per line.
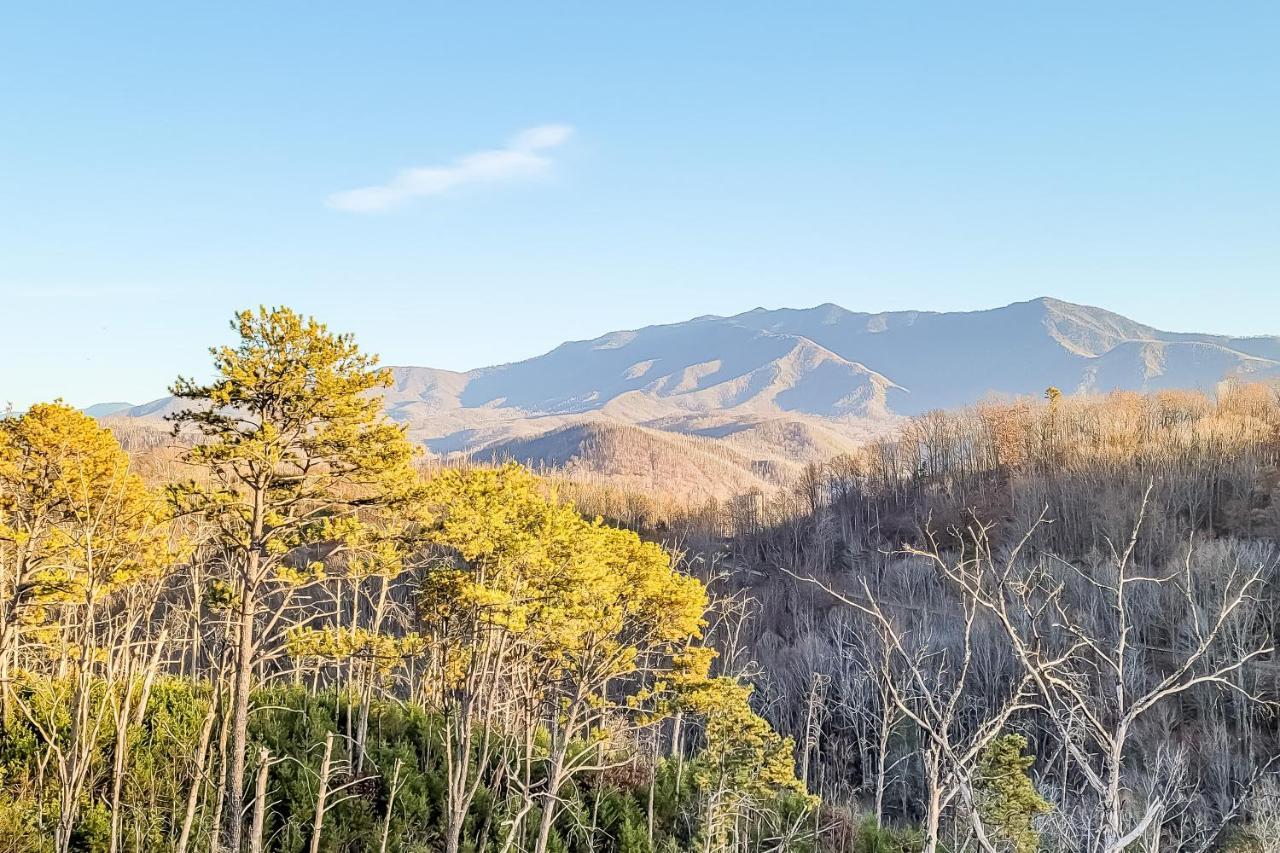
column 523, row 157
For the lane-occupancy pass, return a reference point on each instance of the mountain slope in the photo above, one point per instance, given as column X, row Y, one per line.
column 777, row 388
column 636, row 458
column 953, row 359
column 700, row 366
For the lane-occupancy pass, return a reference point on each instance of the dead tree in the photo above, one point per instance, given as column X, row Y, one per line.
column 937, row 694
column 1073, row 634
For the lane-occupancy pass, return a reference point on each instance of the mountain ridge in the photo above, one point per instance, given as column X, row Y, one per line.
column 827, row 370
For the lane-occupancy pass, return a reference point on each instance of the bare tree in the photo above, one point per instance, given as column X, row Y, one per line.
column 1074, row 635
column 939, row 695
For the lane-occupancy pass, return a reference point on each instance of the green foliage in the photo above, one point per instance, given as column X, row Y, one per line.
column 292, row 397
column 1008, row 801
column 744, row 764
column 93, row 833
column 292, row 444
column 293, row 723
column 158, row 775
column 599, row 815
column 885, row 839
column 20, row 827
column 300, row 488
column 623, row 824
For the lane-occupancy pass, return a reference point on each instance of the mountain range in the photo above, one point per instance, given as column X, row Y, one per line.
column 716, row 404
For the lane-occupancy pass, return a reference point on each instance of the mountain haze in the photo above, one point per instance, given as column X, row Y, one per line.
column 764, row 391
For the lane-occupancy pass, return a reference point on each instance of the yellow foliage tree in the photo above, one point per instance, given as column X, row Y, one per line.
column 590, row 615
column 76, row 527
column 294, row 444
column 75, row 523
column 744, row 763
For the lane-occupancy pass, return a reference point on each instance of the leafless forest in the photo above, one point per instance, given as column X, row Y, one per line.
column 1097, row 575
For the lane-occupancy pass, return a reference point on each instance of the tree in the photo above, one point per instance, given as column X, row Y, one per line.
column 1008, row 802
column 77, row 527
column 292, row 443
column 744, row 762
column 589, row 616
column 1092, row 677
column 354, row 638
column 1263, row 828
column 934, row 685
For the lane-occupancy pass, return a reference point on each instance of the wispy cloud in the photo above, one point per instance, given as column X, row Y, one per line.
column 525, row 156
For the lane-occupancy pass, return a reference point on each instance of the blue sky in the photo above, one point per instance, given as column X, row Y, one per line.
column 588, row 167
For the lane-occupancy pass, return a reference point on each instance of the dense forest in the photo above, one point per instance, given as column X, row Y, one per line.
column 1033, row 625
column 1094, row 577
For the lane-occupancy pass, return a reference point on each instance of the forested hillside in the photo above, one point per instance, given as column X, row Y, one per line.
column 1097, row 576
column 1045, row 624
column 779, row 388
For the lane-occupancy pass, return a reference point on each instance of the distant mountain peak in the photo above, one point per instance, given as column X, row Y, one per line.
column 102, row 410
column 825, row 369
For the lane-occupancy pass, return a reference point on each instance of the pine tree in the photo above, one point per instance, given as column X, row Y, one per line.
column 1007, row 799
column 293, row 443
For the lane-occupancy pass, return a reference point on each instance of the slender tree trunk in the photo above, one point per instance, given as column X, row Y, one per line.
column 73, row 764
column 933, row 820
column 653, row 781
column 220, row 794
column 391, row 804
column 882, row 762
column 323, row 793
column 149, row 678
column 550, row 798
column 933, row 805
column 677, row 746
column 118, row 758
column 366, row 696
column 242, row 686
column 197, row 784
column 260, row 801
column 1112, row 803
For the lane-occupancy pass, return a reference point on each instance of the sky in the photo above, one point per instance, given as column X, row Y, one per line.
column 466, row 184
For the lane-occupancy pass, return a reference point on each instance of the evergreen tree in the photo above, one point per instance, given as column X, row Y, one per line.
column 293, row 442
column 1007, row 799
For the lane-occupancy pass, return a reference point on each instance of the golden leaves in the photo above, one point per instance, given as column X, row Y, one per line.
column 74, row 518
column 343, row 644
column 294, row 445
column 578, row 592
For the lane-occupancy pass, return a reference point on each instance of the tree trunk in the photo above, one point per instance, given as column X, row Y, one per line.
column 193, row 795
column 220, row 792
column 677, row 746
column 550, row 798
column 882, row 764
column 367, row 683
column 458, row 733
column 391, row 803
column 119, row 758
column 933, row 807
column 653, row 781
column 325, row 767
column 242, row 686
column 259, row 801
